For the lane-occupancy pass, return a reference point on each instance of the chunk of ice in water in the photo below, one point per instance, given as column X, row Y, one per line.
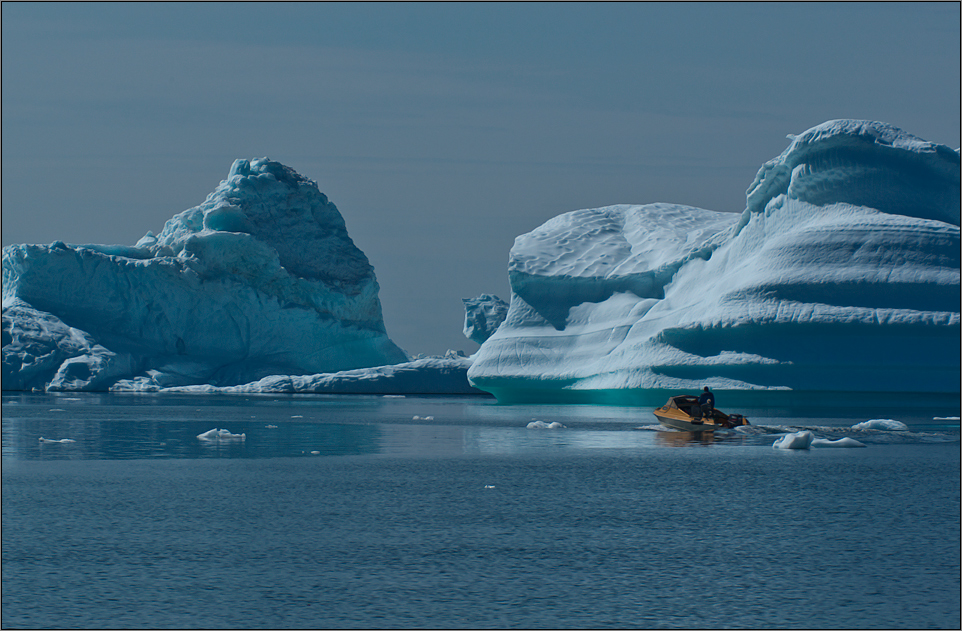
column 214, row 435
column 884, row 424
column 841, row 442
column 797, row 440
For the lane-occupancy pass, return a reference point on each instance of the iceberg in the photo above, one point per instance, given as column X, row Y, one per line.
column 841, row 274
column 482, row 316
column 261, row 279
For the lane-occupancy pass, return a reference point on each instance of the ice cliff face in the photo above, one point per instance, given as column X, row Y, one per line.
column 260, row 279
column 842, row 274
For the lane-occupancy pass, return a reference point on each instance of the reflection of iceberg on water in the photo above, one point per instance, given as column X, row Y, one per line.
column 841, row 274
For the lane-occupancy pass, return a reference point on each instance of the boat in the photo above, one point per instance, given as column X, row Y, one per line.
column 683, row 412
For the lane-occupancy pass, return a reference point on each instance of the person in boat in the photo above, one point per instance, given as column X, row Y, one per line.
column 706, row 403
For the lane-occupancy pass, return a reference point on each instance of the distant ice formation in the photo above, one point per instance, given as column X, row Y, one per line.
column 482, row 316
column 261, row 279
column 842, row 274
column 429, row 375
column 883, row 424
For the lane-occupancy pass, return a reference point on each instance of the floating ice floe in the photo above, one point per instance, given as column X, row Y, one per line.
column 841, row 442
column 797, row 440
column 62, row 440
column 543, row 425
column 882, row 423
column 215, row 435
column 806, row 439
column 422, row 418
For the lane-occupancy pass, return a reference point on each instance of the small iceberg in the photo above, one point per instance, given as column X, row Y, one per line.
column 62, row 440
column 797, row 440
column 841, row 442
column 543, row 425
column 884, row 424
column 216, row 435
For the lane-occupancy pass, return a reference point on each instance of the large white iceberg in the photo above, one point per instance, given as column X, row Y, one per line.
column 842, row 274
column 261, row 279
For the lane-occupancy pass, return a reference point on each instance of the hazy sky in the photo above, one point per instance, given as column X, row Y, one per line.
column 441, row 131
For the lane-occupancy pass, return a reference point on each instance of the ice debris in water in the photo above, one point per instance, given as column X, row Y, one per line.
column 841, row 442
column 422, row 418
column 543, row 425
column 215, row 435
column 806, row 439
column 884, row 424
column 62, row 440
column 796, row 440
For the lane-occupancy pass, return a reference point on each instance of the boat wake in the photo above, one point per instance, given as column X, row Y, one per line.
column 823, row 434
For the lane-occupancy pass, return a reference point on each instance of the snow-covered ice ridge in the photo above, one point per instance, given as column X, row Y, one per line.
column 261, row 279
column 842, row 274
column 425, row 375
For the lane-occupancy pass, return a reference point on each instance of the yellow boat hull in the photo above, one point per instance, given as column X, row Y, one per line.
column 681, row 411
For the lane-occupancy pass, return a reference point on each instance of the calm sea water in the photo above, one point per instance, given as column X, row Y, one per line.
column 379, row 512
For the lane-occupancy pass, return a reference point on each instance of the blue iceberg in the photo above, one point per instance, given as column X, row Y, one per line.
column 842, row 274
column 261, row 279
